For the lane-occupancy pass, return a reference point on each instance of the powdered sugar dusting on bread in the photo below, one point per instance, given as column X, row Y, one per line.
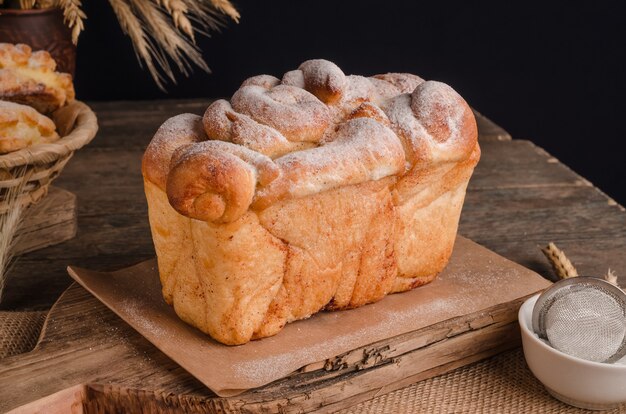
column 216, row 122
column 358, row 90
column 432, row 123
column 177, row 131
column 363, row 150
column 259, row 137
column 449, row 119
column 323, row 79
column 266, row 170
column 294, row 112
column 318, row 146
column 385, row 90
column 293, row 78
column 223, row 123
column 404, row 82
column 439, row 108
column 264, row 81
column 412, row 134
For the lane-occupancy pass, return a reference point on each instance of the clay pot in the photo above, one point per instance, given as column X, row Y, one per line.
column 40, row 29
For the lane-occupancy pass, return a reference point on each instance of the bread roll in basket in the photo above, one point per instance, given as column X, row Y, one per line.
column 317, row 191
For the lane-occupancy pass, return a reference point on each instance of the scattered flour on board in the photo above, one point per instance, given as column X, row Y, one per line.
column 142, row 322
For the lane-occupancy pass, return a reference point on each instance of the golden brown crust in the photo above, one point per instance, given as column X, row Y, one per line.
column 215, row 181
column 29, row 78
column 318, row 191
column 369, row 110
column 221, row 122
column 176, row 132
column 434, row 124
column 21, row 126
column 292, row 111
column 226, row 298
column 323, row 79
column 361, row 150
column 209, row 186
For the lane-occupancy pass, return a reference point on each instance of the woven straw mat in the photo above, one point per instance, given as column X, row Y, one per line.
column 19, row 332
column 501, row 384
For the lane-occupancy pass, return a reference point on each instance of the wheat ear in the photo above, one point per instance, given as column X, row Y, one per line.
column 167, row 39
column 73, row 16
column 611, row 277
column 226, row 7
column 144, row 50
column 559, row 261
column 46, row 4
column 10, row 222
column 163, row 31
column 207, row 16
column 27, row 4
column 178, row 10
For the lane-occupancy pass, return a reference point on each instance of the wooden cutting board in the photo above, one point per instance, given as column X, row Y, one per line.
column 89, row 360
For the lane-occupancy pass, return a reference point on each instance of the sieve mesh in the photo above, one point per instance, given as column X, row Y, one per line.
column 583, row 317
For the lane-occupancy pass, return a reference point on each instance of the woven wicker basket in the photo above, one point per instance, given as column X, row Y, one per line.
column 32, row 169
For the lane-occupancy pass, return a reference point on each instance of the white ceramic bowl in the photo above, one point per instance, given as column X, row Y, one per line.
column 575, row 381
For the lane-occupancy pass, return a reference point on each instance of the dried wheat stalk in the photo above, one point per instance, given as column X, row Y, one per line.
column 162, row 31
column 178, row 10
column 226, row 7
column 167, row 40
column 9, row 223
column 205, row 15
column 46, row 4
column 73, row 16
column 160, row 24
column 145, row 51
column 560, row 263
column 611, row 277
column 564, row 268
column 27, row 4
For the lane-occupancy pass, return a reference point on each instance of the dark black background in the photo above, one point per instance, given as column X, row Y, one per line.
column 553, row 73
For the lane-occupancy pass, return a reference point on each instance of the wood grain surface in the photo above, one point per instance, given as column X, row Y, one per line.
column 49, row 222
column 519, row 199
column 84, row 344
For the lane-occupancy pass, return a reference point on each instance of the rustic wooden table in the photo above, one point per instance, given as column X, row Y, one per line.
column 520, row 198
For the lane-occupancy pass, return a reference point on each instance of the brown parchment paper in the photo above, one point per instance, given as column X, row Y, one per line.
column 475, row 279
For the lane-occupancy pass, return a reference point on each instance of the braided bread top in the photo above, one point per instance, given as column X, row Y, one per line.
column 313, row 130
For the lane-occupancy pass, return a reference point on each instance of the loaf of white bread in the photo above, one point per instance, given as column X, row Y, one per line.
column 317, row 191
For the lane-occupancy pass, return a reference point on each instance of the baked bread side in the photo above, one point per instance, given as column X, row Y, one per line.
column 30, row 78
column 220, row 278
column 315, row 191
column 439, row 134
